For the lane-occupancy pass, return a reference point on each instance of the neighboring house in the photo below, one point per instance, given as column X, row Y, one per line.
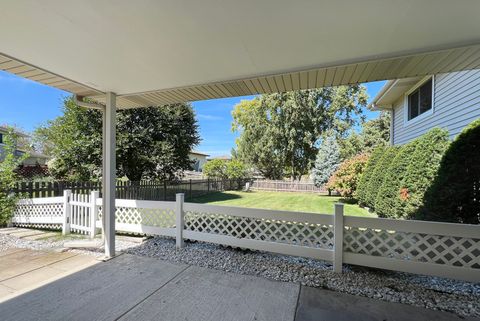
column 450, row 101
column 222, row 157
column 34, row 157
column 199, row 158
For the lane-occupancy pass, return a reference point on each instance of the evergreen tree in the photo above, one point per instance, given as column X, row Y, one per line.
column 367, row 175
column 422, row 169
column 388, row 203
column 376, row 180
column 454, row 195
column 327, row 161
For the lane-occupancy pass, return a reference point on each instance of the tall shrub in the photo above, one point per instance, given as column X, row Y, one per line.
column 215, row 168
column 388, row 203
column 378, row 175
column 8, row 176
column 422, row 170
column 235, row 169
column 367, row 175
column 347, row 176
column 454, row 195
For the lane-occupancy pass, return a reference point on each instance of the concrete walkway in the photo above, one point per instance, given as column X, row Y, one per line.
column 22, row 270
column 140, row 288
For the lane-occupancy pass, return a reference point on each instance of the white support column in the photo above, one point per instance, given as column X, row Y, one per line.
column 109, row 173
column 179, row 220
column 338, row 238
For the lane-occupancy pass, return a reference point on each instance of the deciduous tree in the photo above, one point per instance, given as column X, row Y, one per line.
column 279, row 133
column 345, row 179
column 152, row 142
column 9, row 162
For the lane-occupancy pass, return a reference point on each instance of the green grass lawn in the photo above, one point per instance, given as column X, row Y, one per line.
column 300, row 202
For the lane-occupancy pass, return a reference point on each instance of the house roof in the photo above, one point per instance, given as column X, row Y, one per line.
column 224, row 157
column 158, row 52
column 38, row 155
column 391, row 91
column 194, row 152
column 4, row 129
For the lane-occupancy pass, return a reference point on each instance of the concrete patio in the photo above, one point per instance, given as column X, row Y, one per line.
column 139, row 288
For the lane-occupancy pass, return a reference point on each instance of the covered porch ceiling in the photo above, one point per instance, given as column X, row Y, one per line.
column 160, row 52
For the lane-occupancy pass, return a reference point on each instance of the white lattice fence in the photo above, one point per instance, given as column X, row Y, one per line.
column 145, row 217
column 442, row 249
column 39, row 213
column 413, row 246
column 301, row 234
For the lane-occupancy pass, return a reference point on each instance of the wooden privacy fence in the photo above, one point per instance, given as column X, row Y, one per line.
column 143, row 190
column 430, row 248
column 287, row 186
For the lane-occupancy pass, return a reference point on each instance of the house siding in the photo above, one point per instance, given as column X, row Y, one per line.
column 456, row 103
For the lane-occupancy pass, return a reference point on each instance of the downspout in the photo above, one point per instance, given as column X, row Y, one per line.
column 392, row 128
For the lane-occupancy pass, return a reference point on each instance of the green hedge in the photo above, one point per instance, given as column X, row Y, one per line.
column 378, row 175
column 367, row 175
column 388, row 203
column 422, row 170
column 454, row 195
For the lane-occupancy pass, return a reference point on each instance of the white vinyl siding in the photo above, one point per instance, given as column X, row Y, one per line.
column 456, row 98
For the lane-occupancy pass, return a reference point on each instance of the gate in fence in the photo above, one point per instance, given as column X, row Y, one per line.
column 81, row 214
column 76, row 213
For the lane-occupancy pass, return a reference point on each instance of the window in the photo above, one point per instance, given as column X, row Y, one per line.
column 420, row 100
column 1, row 138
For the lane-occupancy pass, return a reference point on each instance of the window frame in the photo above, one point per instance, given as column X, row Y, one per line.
column 429, row 112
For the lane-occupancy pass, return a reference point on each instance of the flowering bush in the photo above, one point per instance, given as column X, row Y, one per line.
column 345, row 180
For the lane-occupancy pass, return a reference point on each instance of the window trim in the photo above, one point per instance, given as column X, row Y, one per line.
column 426, row 114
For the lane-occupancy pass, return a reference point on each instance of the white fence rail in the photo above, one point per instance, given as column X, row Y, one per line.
column 430, row 248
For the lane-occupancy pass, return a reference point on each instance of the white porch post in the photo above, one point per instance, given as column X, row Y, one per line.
column 109, row 169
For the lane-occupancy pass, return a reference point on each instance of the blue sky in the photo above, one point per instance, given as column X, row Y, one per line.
column 27, row 104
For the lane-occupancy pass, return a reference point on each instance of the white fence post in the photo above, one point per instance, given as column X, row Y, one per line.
column 338, row 238
column 93, row 213
column 179, row 219
column 66, row 212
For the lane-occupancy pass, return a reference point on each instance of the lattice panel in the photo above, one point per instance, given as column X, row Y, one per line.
column 301, row 234
column 25, row 212
column 449, row 250
column 145, row 216
column 38, row 210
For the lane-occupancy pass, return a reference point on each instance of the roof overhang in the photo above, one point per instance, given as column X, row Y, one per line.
column 159, row 52
column 391, row 91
